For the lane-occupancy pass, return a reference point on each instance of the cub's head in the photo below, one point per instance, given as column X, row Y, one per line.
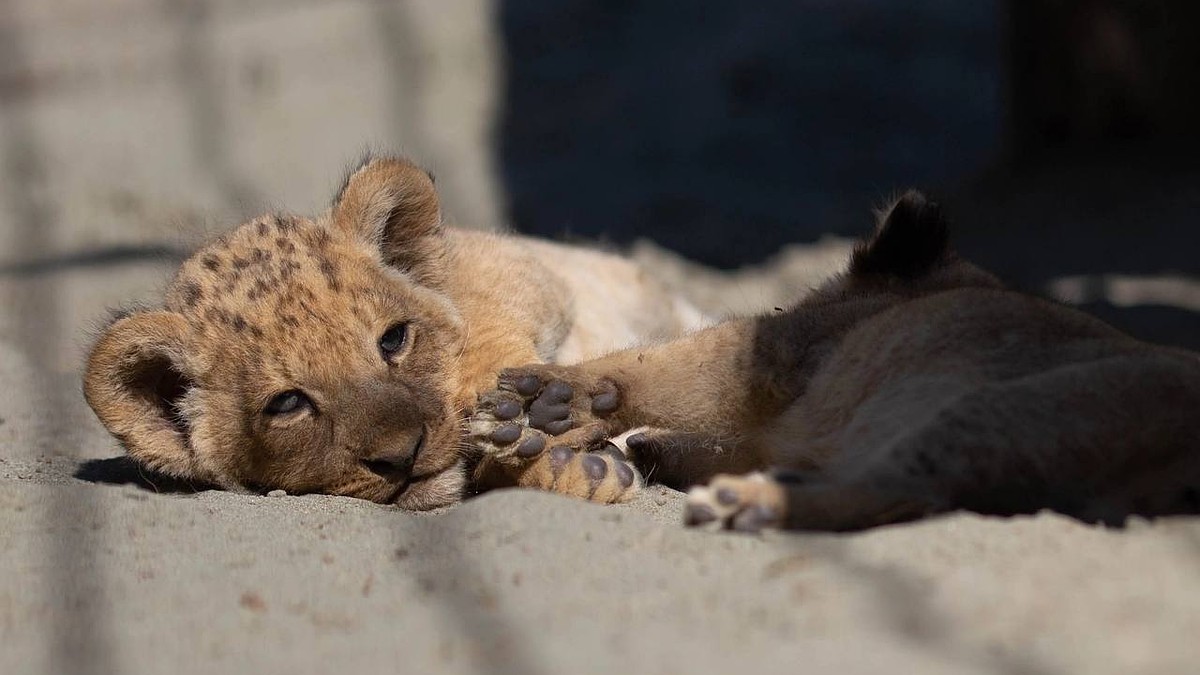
column 309, row 355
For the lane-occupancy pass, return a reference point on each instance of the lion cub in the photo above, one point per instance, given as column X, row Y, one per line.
column 914, row 383
column 341, row 354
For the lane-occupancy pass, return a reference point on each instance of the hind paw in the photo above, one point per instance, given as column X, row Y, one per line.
column 748, row 503
column 605, row 476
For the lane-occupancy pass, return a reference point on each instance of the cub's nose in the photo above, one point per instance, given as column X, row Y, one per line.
column 391, row 465
column 395, row 463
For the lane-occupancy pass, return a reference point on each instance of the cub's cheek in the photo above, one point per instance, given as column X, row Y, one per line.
column 445, row 442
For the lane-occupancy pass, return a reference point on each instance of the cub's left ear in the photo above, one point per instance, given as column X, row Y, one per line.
column 390, row 203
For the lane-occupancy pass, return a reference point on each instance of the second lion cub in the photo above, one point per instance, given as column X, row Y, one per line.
column 914, row 383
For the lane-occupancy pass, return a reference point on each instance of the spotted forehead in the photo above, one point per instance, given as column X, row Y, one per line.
column 273, row 277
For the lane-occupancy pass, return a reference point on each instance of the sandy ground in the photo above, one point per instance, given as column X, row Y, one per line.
column 130, row 129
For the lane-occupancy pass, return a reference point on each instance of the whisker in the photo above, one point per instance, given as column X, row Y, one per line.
column 466, row 339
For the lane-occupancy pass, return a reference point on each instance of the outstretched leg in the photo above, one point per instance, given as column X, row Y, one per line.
column 722, row 384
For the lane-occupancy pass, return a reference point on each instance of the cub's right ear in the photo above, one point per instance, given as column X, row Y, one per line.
column 391, row 204
column 135, row 380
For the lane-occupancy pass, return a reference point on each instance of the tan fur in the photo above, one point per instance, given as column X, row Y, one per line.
column 912, row 384
column 286, row 303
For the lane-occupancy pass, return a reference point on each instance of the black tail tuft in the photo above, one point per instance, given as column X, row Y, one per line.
column 911, row 240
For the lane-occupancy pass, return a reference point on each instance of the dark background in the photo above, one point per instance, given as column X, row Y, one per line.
column 1061, row 134
column 725, row 129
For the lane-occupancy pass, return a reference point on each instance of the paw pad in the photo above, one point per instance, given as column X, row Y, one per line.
column 531, row 447
column 594, row 466
column 527, row 385
column 506, row 434
column 605, row 402
column 560, row 456
column 508, row 410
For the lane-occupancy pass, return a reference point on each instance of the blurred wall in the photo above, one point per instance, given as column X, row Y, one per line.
column 135, row 121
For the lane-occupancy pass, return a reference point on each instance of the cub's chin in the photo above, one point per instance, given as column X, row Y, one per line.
column 438, row 489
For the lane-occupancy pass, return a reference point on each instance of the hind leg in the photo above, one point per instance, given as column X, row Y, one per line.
column 1071, row 439
column 681, row 460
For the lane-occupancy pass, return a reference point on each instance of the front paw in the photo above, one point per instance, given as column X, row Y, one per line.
column 564, row 402
column 540, row 423
column 502, row 433
column 500, row 429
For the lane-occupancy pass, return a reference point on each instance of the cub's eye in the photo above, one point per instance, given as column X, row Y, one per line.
column 287, row 402
column 393, row 340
